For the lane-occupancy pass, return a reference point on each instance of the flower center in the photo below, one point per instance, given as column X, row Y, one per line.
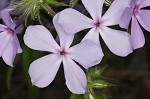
column 62, row 52
column 97, row 23
column 9, row 31
column 136, row 9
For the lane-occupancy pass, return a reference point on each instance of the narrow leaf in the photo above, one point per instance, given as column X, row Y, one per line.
column 73, row 3
column 100, row 84
column 54, row 2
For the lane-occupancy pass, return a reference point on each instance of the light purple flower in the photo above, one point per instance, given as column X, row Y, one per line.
column 3, row 4
column 9, row 46
column 134, row 12
column 119, row 42
column 43, row 70
column 4, row 7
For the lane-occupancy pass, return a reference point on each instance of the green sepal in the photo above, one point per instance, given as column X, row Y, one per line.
column 96, row 72
column 100, row 84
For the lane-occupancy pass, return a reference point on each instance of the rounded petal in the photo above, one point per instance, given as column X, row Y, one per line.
column 39, row 38
column 92, row 35
column 10, row 52
column 73, row 21
column 119, row 42
column 7, row 19
column 143, row 18
column 75, row 76
column 137, row 35
column 2, row 27
column 115, row 11
column 4, row 39
column 19, row 49
column 64, row 38
column 94, row 8
column 126, row 18
column 86, row 53
column 43, row 70
column 3, row 4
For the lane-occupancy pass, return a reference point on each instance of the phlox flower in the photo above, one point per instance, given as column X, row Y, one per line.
column 4, row 7
column 139, row 16
column 119, row 42
column 43, row 71
column 9, row 46
column 3, row 4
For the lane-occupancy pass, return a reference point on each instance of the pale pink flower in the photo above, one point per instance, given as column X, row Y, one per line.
column 119, row 42
column 43, row 71
column 139, row 16
column 9, row 46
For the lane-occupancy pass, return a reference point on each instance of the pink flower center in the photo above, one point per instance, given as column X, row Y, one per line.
column 136, row 9
column 98, row 23
column 63, row 53
column 9, row 31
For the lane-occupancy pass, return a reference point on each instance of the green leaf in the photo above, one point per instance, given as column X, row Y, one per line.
column 96, row 72
column 100, row 84
column 10, row 72
column 54, row 2
column 100, row 96
column 9, row 76
column 75, row 96
column 28, row 57
column 73, row 3
column 108, row 2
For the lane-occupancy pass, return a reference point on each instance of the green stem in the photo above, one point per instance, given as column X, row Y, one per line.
column 49, row 10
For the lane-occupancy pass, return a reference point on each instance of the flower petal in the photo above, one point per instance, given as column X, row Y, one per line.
column 43, row 70
column 143, row 18
column 92, row 35
column 20, row 28
column 94, row 8
column 137, row 35
column 7, row 19
column 19, row 49
column 3, row 4
column 115, row 11
column 10, row 52
column 39, row 38
column 75, row 76
column 143, row 3
column 64, row 38
column 73, row 21
column 2, row 27
column 86, row 53
column 133, row 3
column 126, row 18
column 119, row 42
column 4, row 39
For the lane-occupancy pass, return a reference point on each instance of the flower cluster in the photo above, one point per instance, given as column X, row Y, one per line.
column 88, row 52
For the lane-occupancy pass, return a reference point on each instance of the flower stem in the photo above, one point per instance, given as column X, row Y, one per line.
column 48, row 9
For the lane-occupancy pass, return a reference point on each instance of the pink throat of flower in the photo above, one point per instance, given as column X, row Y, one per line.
column 63, row 53
column 9, row 31
column 136, row 9
column 98, row 23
